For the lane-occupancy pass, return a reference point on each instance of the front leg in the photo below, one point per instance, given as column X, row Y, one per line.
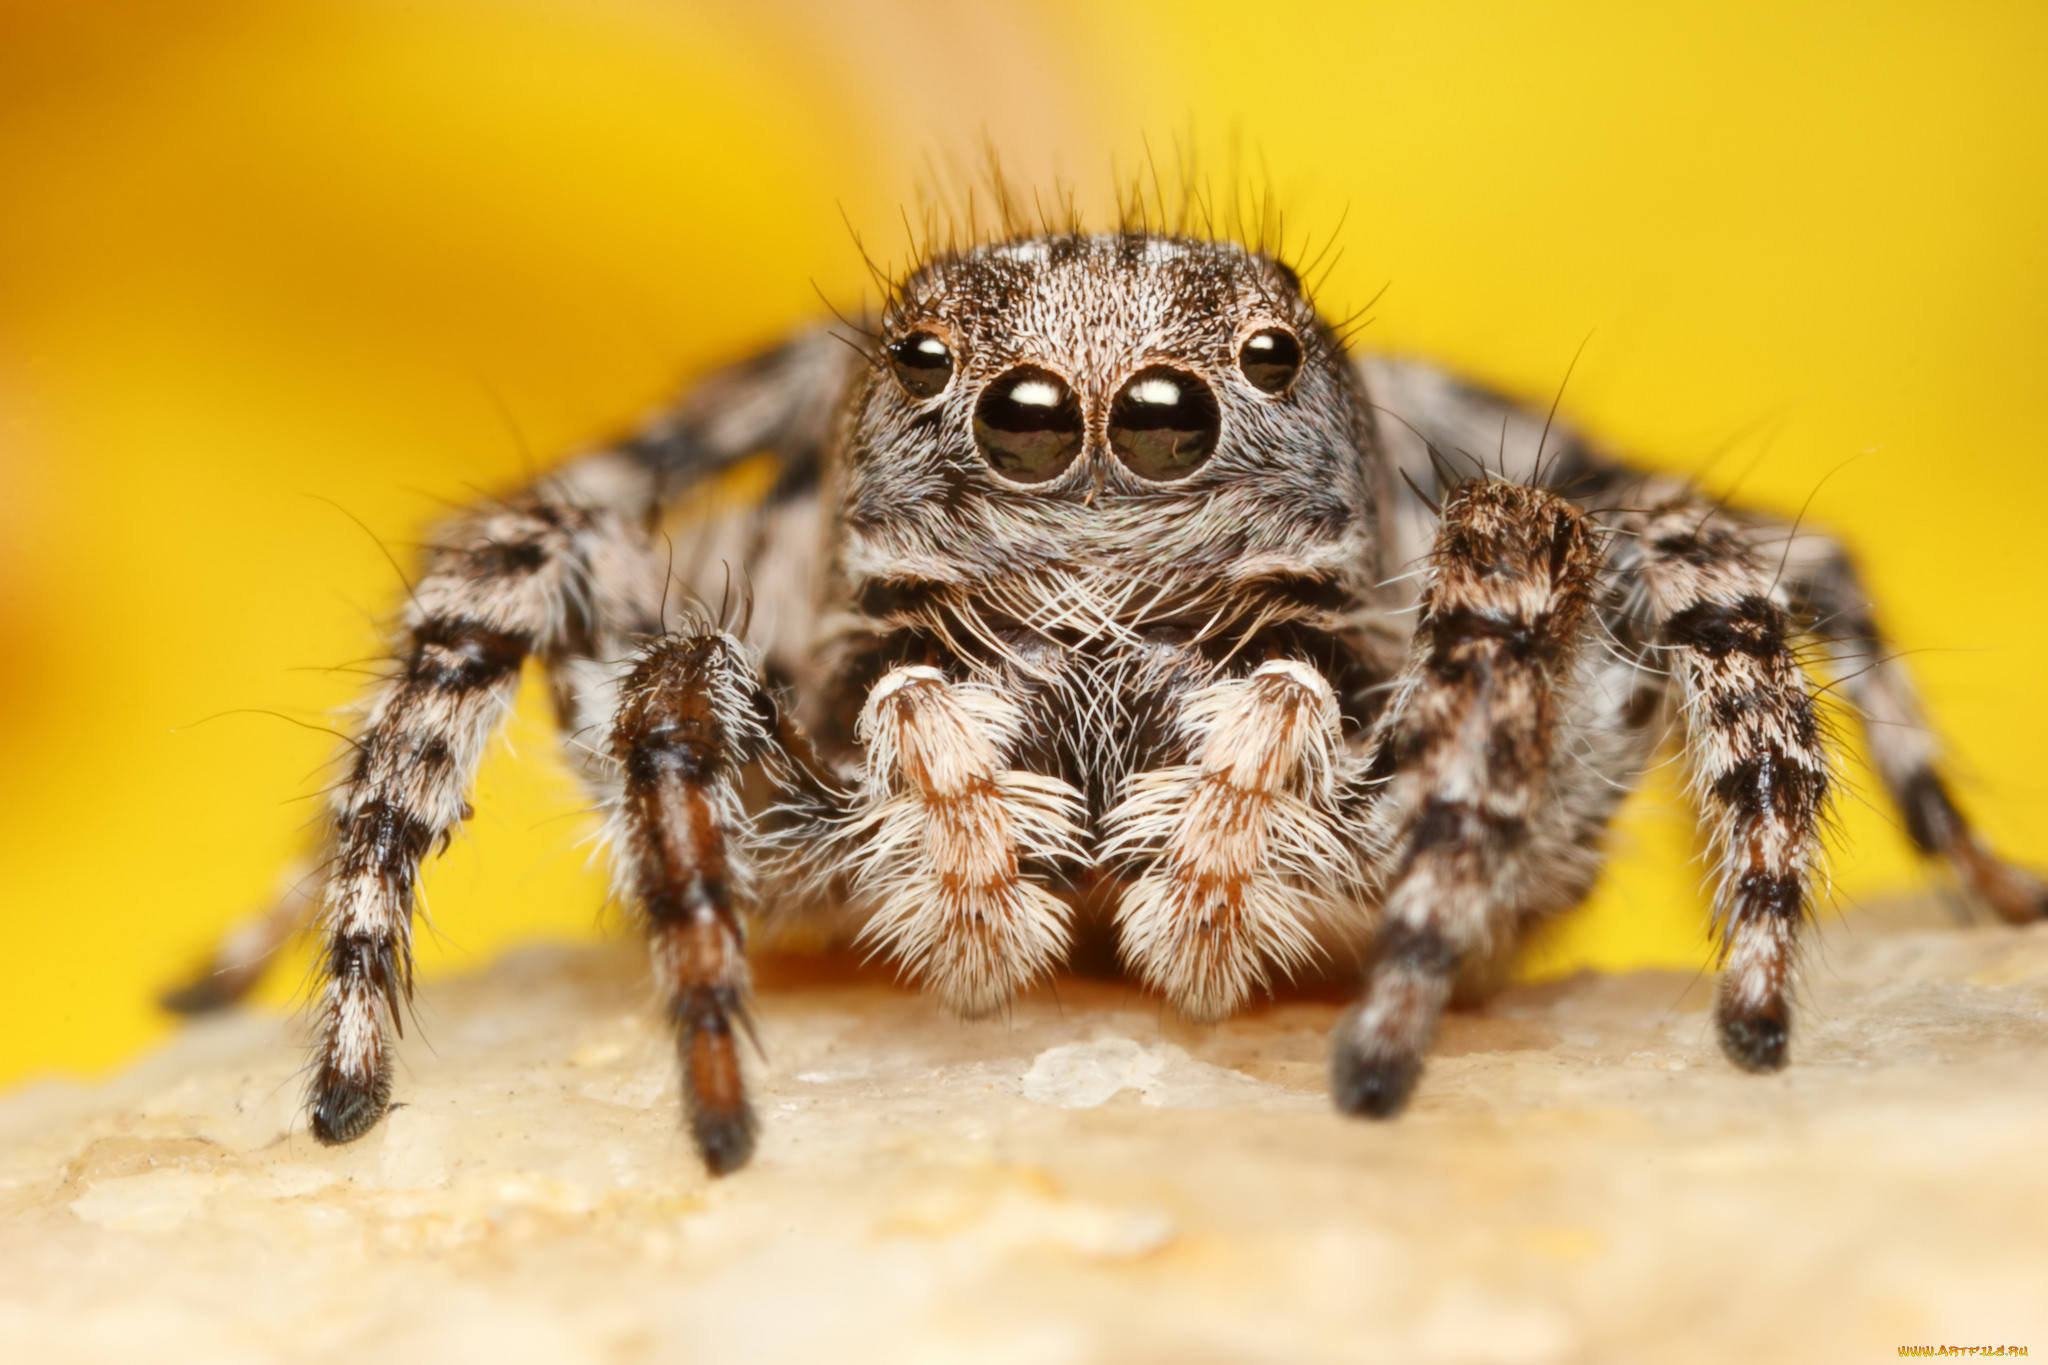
column 691, row 717
column 1470, row 741
column 938, row 846
column 935, row 835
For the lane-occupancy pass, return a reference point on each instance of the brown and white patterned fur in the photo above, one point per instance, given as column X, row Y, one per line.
column 1343, row 680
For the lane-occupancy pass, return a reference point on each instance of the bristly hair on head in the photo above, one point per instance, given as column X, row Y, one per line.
column 965, row 205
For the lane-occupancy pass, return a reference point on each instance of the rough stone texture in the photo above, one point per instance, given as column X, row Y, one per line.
column 1580, row 1178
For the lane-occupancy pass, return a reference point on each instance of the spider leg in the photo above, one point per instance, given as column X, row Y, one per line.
column 1753, row 740
column 944, row 825
column 1245, row 848
column 564, row 570
column 1430, row 422
column 1829, row 600
column 779, row 402
column 935, row 839
column 691, row 716
column 1469, row 742
column 245, row 952
column 1611, row 712
column 515, row 578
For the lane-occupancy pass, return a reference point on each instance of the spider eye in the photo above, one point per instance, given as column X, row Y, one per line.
column 1163, row 423
column 1270, row 359
column 922, row 363
column 1028, row 424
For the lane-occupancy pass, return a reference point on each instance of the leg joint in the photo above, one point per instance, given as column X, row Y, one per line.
column 454, row 655
column 1415, row 950
column 1752, row 626
column 1775, row 786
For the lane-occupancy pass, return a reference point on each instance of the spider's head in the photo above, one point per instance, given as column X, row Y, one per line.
column 1129, row 404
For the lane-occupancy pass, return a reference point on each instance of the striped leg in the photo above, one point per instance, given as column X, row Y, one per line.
column 517, row 578
column 1470, row 739
column 1829, row 599
column 565, row 571
column 778, row 403
column 692, row 715
column 246, row 951
column 945, row 827
column 1759, row 764
column 1242, row 849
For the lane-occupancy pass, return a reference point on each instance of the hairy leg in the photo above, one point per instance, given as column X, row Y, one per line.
column 246, row 951
column 516, row 578
column 1758, row 759
column 778, row 403
column 691, row 716
column 943, row 827
column 1610, row 717
column 1828, row 598
column 1243, row 849
column 1469, row 741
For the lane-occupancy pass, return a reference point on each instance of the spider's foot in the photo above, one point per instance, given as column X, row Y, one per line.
column 1376, row 1053
column 725, row 1139
column 2016, row 894
column 214, row 987
column 201, row 995
column 1755, row 1039
column 721, row 1121
column 1371, row 1084
column 343, row 1107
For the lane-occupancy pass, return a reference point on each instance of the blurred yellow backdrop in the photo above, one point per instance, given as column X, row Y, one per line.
column 268, row 267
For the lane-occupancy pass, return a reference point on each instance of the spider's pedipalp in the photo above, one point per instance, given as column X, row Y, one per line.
column 945, row 824
column 1244, row 850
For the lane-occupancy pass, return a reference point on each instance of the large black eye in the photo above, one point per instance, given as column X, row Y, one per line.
column 1163, row 423
column 922, row 364
column 1028, row 424
column 1270, row 359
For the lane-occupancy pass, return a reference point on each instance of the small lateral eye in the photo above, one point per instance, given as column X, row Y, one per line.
column 922, row 363
column 1164, row 423
column 1028, row 424
column 1270, row 359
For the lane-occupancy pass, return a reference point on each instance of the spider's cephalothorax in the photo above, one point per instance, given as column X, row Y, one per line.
column 1091, row 481
column 1104, row 578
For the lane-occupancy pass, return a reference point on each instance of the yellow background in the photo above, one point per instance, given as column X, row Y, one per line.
column 270, row 266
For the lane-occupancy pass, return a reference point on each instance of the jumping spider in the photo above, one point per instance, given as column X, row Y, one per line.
column 1104, row 582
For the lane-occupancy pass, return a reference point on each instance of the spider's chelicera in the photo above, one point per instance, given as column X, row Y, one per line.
column 1104, row 584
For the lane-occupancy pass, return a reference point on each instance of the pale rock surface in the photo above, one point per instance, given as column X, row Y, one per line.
column 1581, row 1178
